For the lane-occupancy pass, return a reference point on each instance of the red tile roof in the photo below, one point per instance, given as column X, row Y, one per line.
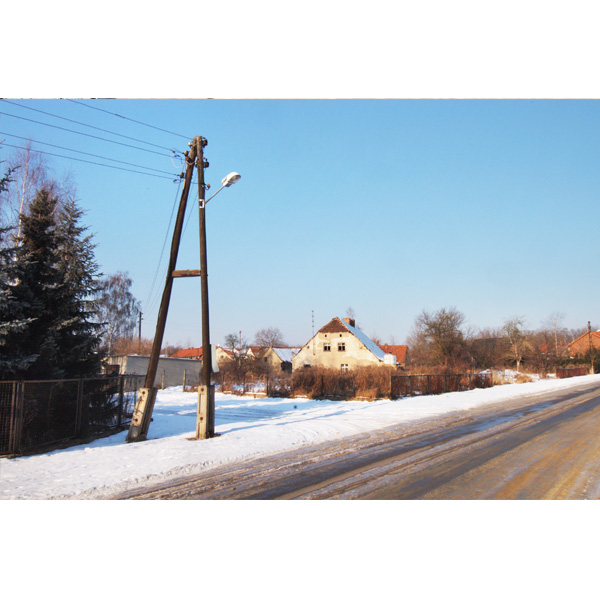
column 188, row 353
column 398, row 351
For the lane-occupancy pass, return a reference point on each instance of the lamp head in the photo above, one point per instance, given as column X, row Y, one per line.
column 230, row 179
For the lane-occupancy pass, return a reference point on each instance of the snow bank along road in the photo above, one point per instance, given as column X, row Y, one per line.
column 531, row 447
column 260, row 429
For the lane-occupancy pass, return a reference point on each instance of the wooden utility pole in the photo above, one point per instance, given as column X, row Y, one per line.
column 205, row 421
column 142, row 414
column 591, row 347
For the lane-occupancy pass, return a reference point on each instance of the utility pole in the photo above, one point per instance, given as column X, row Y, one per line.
column 205, row 423
column 142, row 413
column 140, row 332
column 205, row 420
column 591, row 348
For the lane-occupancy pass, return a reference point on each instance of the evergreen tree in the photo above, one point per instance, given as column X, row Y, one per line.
column 78, row 333
column 37, row 290
column 15, row 359
column 12, row 321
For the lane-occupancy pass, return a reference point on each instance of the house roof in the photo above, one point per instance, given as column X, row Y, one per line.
column 337, row 325
column 188, row 353
column 586, row 335
column 398, row 351
column 286, row 354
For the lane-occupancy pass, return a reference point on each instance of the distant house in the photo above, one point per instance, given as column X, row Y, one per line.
column 222, row 355
column 400, row 352
column 195, row 353
column 279, row 358
column 340, row 345
column 582, row 344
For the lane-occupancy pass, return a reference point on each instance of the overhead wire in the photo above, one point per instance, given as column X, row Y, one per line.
column 83, row 152
column 90, row 162
column 86, row 125
column 151, row 300
column 85, row 134
column 127, row 118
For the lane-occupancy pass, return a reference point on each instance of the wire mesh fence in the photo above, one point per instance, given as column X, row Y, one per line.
column 35, row 414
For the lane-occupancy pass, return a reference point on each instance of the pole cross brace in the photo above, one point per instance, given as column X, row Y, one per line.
column 187, row 273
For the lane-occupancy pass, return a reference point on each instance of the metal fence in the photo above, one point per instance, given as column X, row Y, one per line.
column 425, row 385
column 572, row 372
column 36, row 414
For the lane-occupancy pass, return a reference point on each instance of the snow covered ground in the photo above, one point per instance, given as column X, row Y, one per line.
column 248, row 427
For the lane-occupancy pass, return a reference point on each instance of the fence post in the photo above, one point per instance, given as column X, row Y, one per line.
column 444, row 383
column 121, row 393
column 16, row 431
column 79, row 408
column 184, row 373
column 428, row 385
column 410, row 385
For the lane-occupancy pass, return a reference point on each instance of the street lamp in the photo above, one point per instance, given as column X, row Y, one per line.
column 227, row 181
column 205, row 421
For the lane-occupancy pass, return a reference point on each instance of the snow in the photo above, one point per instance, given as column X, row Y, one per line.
column 286, row 354
column 248, row 428
column 365, row 339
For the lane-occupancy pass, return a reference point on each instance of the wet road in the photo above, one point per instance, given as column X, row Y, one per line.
column 539, row 447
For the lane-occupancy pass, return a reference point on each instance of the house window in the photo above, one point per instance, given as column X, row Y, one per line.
column 326, row 347
column 344, row 368
column 342, row 347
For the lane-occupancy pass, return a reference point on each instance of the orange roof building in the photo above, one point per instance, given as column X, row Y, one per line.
column 582, row 344
column 398, row 351
column 195, row 353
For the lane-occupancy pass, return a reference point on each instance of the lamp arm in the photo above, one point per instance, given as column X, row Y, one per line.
column 206, row 201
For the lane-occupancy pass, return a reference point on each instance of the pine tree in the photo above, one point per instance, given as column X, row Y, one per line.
column 15, row 359
column 37, row 291
column 12, row 323
column 78, row 331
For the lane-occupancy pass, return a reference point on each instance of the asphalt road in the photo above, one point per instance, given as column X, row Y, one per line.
column 538, row 447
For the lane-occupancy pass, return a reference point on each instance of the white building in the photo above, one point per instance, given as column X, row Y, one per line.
column 340, row 345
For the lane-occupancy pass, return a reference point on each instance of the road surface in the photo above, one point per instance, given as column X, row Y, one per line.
column 538, row 447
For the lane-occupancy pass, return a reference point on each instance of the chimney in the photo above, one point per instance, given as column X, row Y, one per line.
column 350, row 321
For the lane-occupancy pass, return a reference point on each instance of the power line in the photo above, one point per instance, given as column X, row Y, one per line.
column 86, row 153
column 85, row 134
column 128, row 119
column 86, row 125
column 89, row 162
column 151, row 301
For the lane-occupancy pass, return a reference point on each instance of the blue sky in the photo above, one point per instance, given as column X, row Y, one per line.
column 386, row 206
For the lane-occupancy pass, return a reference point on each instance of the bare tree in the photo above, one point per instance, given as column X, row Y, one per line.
column 552, row 323
column 31, row 173
column 517, row 339
column 270, row 336
column 438, row 338
column 117, row 308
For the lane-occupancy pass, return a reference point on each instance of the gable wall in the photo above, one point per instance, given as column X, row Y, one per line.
column 355, row 354
column 582, row 344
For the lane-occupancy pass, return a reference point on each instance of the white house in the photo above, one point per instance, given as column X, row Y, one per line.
column 340, row 345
